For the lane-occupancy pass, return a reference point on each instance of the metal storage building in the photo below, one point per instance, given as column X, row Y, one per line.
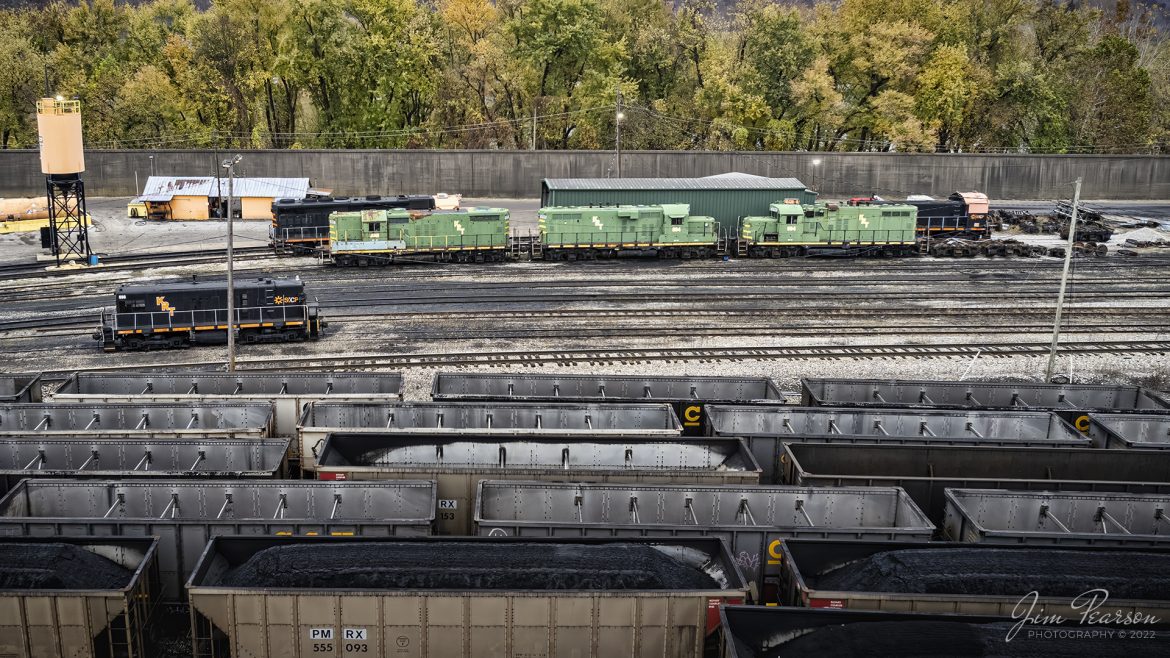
column 726, row 197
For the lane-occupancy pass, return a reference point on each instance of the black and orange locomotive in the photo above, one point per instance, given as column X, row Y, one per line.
column 167, row 315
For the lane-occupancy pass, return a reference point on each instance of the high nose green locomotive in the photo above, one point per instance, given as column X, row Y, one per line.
column 791, row 229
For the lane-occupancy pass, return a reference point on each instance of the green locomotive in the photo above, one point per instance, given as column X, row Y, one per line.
column 375, row 237
column 667, row 230
column 792, row 229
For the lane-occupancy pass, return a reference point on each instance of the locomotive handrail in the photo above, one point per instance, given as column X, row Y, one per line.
column 445, row 241
column 880, row 236
column 303, row 232
column 635, row 238
column 171, row 320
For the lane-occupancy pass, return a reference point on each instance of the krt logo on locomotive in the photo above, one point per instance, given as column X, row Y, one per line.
column 164, row 305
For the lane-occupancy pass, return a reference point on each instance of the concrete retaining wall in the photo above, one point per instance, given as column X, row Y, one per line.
column 517, row 174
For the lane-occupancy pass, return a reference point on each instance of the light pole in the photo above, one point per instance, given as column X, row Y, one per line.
column 152, row 165
column 617, row 123
column 230, row 165
column 816, row 163
column 1068, row 253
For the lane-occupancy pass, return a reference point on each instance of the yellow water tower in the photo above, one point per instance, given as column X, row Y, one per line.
column 62, row 161
column 59, row 135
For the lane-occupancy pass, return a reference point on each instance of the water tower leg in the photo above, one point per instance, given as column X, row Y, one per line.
column 68, row 218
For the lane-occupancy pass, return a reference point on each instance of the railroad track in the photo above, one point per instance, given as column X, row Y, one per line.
column 1158, row 317
column 129, row 262
column 520, row 333
column 429, row 333
column 1072, row 311
column 651, row 355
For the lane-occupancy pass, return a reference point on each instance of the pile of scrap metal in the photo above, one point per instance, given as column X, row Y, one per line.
column 1092, row 226
column 955, row 247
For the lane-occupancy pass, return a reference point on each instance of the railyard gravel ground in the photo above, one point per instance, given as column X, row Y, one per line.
column 392, row 332
column 1003, row 572
column 467, row 566
column 940, row 638
column 37, row 566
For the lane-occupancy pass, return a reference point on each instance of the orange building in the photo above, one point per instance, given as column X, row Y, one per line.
column 184, row 198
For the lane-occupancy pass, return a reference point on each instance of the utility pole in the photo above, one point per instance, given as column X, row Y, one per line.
column 617, row 125
column 1068, row 253
column 532, row 145
column 230, row 165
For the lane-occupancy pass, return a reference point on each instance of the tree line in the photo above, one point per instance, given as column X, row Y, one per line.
column 855, row 75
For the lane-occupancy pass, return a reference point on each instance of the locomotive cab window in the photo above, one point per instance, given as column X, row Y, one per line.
column 676, row 221
column 793, row 219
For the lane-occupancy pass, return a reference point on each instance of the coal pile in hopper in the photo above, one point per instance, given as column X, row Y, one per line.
column 944, row 638
column 58, row 566
column 467, row 566
column 1004, row 572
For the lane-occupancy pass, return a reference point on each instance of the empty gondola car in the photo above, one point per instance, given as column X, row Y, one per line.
column 164, row 315
column 302, row 225
column 379, row 237
column 667, row 230
column 791, row 229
